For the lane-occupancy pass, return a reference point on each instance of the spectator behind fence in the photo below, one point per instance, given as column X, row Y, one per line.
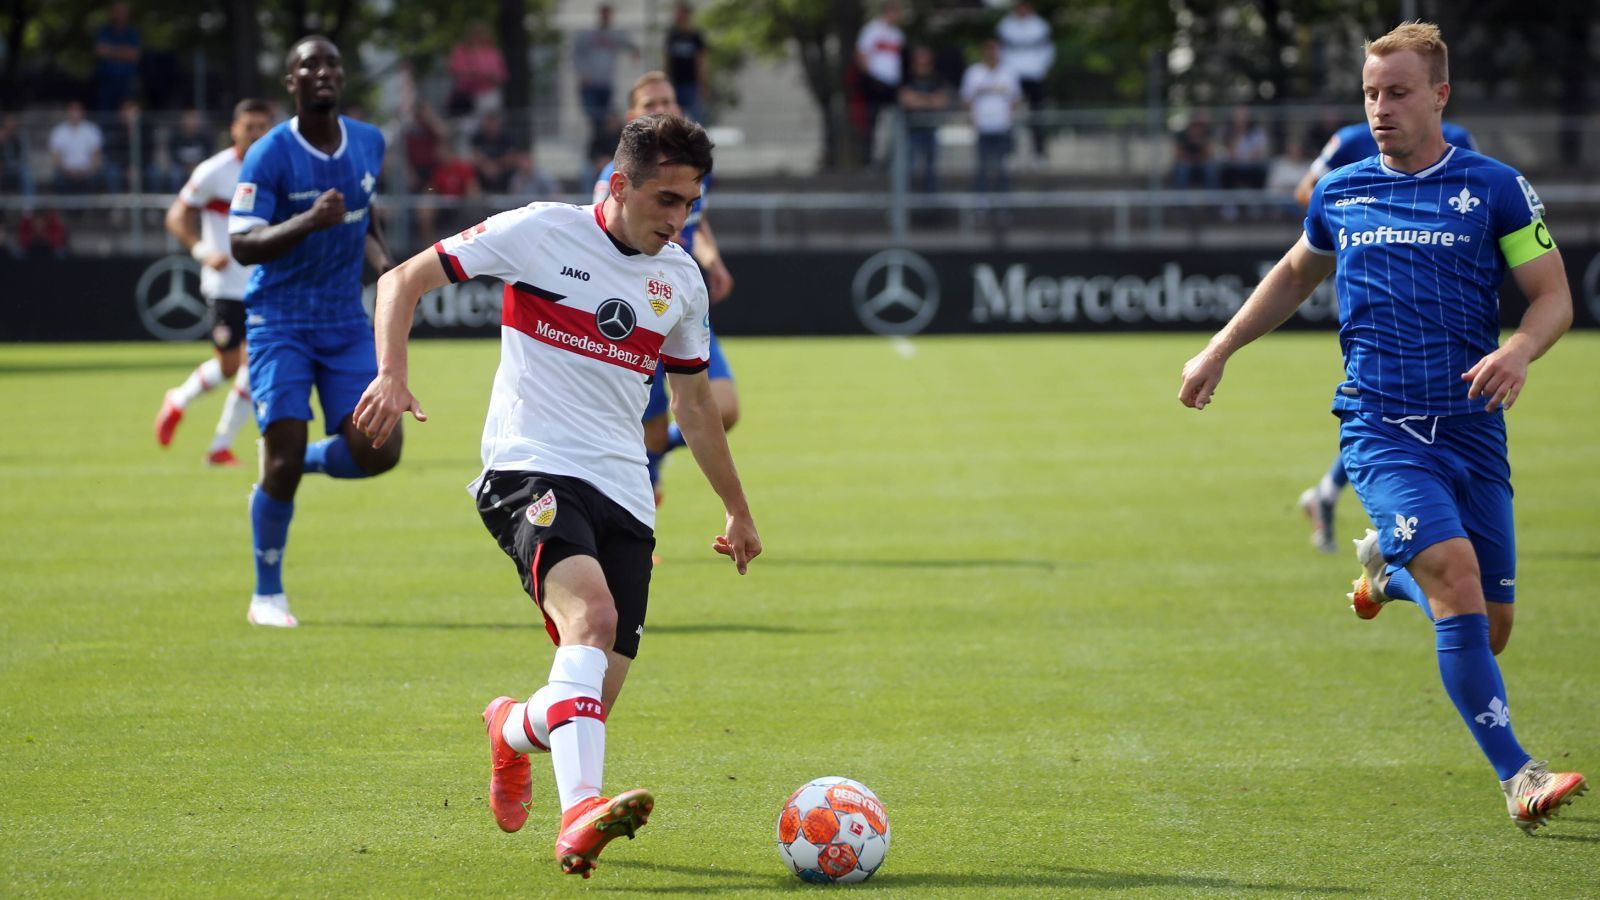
column 116, row 54
column 923, row 97
column 878, row 50
column 991, row 93
column 1244, row 144
column 495, row 155
column 129, row 151
column 533, row 181
column 686, row 62
column 1193, row 156
column 421, row 139
column 594, row 56
column 477, row 70
column 16, row 169
column 41, row 235
column 75, row 146
column 191, row 144
column 1028, row 50
column 453, row 180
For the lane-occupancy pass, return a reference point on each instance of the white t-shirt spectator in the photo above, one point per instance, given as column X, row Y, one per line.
column 880, row 45
column 76, row 144
column 991, row 94
column 1025, row 46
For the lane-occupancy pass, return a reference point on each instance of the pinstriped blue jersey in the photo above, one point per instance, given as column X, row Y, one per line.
column 1353, row 143
column 318, row 283
column 1420, row 261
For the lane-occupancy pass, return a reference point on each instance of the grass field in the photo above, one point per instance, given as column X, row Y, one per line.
column 1071, row 633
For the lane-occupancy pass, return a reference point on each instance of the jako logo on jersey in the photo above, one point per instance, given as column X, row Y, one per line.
column 543, row 510
column 579, row 274
column 1387, row 235
column 1405, row 529
column 244, row 197
column 1464, row 202
column 1498, row 716
column 659, row 293
column 1347, row 201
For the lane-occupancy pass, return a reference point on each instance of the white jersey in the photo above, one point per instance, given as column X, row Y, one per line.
column 582, row 325
column 210, row 190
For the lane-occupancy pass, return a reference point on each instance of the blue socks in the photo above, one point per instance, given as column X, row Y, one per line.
column 269, row 525
column 675, row 437
column 1402, row 586
column 332, row 457
column 652, row 461
column 1472, row 679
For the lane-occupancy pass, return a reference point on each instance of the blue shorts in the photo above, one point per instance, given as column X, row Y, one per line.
column 1426, row 479
column 285, row 364
column 717, row 371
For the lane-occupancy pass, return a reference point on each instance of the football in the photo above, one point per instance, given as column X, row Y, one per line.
column 833, row 831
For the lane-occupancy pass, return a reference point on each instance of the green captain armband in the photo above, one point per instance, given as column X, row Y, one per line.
column 1527, row 243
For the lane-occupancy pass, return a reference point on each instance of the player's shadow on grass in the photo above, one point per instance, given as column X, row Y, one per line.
column 1064, row 877
column 1039, row 565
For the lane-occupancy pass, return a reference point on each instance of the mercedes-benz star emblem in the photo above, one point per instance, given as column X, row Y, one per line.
column 615, row 319
column 169, row 301
column 903, row 300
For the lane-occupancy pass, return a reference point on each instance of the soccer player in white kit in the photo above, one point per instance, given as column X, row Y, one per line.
column 594, row 295
column 198, row 218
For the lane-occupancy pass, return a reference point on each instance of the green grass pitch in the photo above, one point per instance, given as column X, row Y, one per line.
column 1070, row 632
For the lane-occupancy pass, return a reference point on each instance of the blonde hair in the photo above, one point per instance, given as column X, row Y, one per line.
column 655, row 76
column 1421, row 37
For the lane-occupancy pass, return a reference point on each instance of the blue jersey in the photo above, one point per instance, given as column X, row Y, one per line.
column 1353, row 143
column 685, row 238
column 318, row 283
column 1420, row 261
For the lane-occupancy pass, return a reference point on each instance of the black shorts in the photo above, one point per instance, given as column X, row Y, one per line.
column 227, row 323
column 540, row 520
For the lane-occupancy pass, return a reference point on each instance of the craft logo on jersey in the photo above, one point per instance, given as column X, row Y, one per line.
column 543, row 510
column 659, row 293
column 615, row 319
column 244, row 197
column 1464, row 202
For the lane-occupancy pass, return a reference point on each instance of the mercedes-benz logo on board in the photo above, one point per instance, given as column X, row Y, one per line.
column 615, row 319
column 169, row 301
column 895, row 292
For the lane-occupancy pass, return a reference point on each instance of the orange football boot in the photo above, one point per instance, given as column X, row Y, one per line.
column 589, row 825
column 511, row 779
column 168, row 418
column 1535, row 794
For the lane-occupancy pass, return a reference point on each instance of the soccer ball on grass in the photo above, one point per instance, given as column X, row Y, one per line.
column 833, row 831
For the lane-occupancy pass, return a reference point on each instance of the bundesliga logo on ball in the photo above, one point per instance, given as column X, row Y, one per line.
column 833, row 831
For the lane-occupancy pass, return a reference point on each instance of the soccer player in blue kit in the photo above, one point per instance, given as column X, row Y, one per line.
column 303, row 212
column 1421, row 237
column 1350, row 144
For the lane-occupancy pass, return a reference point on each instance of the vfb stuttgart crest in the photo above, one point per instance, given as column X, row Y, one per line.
column 659, row 293
column 543, row 510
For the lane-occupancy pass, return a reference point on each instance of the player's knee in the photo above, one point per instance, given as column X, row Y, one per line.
column 596, row 624
column 229, row 366
column 730, row 414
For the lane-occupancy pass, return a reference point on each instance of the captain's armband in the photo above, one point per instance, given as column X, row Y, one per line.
column 1527, row 243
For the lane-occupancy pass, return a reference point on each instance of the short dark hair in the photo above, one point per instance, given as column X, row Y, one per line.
column 251, row 105
column 290, row 55
column 650, row 142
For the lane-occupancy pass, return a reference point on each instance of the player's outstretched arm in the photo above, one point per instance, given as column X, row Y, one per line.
column 695, row 410
column 1501, row 375
column 387, row 399
column 1273, row 301
column 269, row 242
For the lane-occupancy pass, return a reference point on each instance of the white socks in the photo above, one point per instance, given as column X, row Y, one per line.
column 526, row 729
column 576, row 722
column 205, row 376
column 235, row 411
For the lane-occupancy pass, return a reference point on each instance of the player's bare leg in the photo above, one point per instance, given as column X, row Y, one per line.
column 576, row 598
